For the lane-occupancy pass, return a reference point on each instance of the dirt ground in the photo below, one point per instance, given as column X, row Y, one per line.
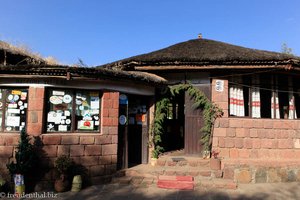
column 265, row 191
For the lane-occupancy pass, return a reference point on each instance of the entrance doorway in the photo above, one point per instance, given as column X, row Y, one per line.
column 173, row 139
column 133, row 134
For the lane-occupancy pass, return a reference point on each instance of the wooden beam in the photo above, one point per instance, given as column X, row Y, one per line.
column 213, row 67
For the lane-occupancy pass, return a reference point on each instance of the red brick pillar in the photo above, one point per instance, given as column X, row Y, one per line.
column 35, row 110
column 109, row 130
column 220, row 97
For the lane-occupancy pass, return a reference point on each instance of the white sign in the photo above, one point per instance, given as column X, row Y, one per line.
column 13, row 121
column 219, row 87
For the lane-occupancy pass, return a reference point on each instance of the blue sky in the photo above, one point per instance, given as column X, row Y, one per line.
column 100, row 32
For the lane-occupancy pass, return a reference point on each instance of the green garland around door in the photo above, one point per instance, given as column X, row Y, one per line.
column 210, row 113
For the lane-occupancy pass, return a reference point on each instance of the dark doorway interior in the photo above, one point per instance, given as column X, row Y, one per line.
column 173, row 139
column 132, row 147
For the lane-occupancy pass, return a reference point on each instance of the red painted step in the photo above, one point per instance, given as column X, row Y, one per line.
column 171, row 184
column 176, row 182
column 176, row 178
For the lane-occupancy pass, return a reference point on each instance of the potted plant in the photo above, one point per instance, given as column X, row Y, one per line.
column 62, row 165
column 215, row 161
column 155, row 153
column 24, row 163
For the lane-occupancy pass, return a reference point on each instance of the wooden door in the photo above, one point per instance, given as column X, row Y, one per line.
column 193, row 123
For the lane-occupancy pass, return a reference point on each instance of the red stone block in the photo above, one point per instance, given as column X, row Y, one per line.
column 109, row 149
column 106, row 95
column 51, row 139
column 89, row 160
column 50, row 150
column 244, row 153
column 220, row 132
column 69, row 139
column 229, row 142
column 11, row 140
column 114, row 159
column 233, row 153
column 113, row 112
column 113, row 130
column 224, row 122
column 261, row 133
column 221, row 141
column 258, row 123
column 6, row 151
column 116, row 104
column 285, row 143
column 248, row 123
column 248, row 143
column 31, row 92
column 224, row 153
column 256, row 143
column 103, row 139
column 98, row 170
column 235, row 123
column 239, row 142
column 106, row 121
column 253, row 133
column 268, row 124
column 107, row 103
column 105, row 160
column 105, row 112
column 241, row 132
column 215, row 141
column 254, row 153
column 115, row 122
column 2, row 141
column 87, row 140
column 231, row 132
column 114, row 139
column 171, row 184
column 76, row 150
column 63, row 150
column 266, row 143
column 92, row 150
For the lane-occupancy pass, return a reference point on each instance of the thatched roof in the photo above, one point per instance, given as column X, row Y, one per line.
column 13, row 55
column 75, row 72
column 202, row 52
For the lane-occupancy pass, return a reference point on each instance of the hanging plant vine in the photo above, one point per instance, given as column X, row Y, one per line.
column 210, row 110
column 210, row 113
column 158, row 126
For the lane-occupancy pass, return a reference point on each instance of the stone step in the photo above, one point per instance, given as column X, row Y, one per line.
column 171, row 184
column 172, row 162
column 216, row 183
column 134, row 180
column 176, row 182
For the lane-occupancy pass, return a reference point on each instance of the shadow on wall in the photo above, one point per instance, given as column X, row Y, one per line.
column 288, row 191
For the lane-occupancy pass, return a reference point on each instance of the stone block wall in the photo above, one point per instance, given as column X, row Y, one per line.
column 247, row 138
column 97, row 152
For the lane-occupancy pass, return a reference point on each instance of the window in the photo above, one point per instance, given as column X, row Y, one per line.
column 264, row 96
column 73, row 110
column 13, row 109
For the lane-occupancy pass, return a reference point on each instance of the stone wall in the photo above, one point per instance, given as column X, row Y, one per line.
column 256, row 150
column 96, row 152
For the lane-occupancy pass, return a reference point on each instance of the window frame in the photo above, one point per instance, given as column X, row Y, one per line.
column 4, row 108
column 73, row 113
column 274, row 87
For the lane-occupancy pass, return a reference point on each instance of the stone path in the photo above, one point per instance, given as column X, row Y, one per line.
column 266, row 191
